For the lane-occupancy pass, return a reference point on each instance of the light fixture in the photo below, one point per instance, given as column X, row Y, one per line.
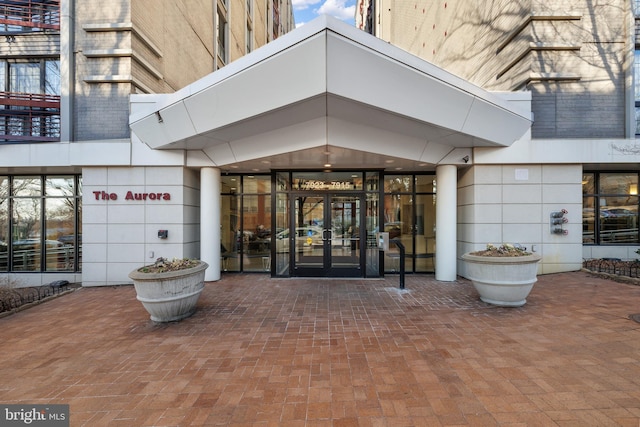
column 633, row 189
column 466, row 159
column 160, row 120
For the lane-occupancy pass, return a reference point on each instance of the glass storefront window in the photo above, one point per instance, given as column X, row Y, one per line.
column 619, row 219
column 45, row 229
column 27, row 186
column 256, row 184
column 26, row 234
column 283, row 222
column 282, row 181
column 618, row 183
column 425, row 184
column 373, row 181
column 256, row 238
column 610, row 208
column 398, row 183
column 4, row 223
column 425, row 233
column 231, row 234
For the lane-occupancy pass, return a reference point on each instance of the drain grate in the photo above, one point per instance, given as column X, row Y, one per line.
column 635, row 317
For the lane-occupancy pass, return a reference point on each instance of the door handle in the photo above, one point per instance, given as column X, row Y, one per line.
column 326, row 232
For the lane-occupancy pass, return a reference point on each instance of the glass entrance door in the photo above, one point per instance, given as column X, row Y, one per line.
column 326, row 238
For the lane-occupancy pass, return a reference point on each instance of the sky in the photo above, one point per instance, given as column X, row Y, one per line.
column 306, row 10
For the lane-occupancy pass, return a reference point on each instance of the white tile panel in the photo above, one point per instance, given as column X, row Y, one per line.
column 522, row 193
column 124, row 252
column 96, row 214
column 128, row 177
column 522, row 213
column 570, row 174
column 562, row 193
column 93, row 233
column 512, row 174
column 488, row 213
column 125, row 233
column 93, row 252
column 118, row 272
column 125, row 214
column 487, row 194
column 525, row 234
column 483, row 174
column 166, row 214
column 94, row 273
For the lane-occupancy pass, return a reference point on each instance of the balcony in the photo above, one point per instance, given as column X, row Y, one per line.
column 18, row 16
column 28, row 117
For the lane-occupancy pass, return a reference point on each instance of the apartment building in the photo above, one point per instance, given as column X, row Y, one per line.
column 67, row 70
column 576, row 59
column 447, row 125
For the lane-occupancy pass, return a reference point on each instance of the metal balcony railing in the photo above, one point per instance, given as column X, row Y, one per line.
column 29, row 117
column 29, row 15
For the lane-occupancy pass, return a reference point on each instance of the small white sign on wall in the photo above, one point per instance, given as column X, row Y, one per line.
column 522, row 174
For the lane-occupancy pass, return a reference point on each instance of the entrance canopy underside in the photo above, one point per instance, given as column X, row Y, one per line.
column 336, row 91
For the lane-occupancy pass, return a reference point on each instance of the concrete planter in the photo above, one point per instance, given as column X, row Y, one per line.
column 503, row 281
column 170, row 296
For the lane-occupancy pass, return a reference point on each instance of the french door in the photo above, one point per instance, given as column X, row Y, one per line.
column 326, row 237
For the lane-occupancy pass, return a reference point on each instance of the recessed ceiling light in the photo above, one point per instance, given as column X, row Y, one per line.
column 234, row 166
column 327, row 165
column 389, row 161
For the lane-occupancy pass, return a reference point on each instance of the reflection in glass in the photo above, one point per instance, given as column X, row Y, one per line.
column 229, row 249
column 26, row 234
column 373, row 226
column 398, row 216
column 588, row 183
column 60, row 186
column 619, row 219
column 588, row 220
column 256, row 235
column 60, row 240
column 282, row 224
column 398, row 183
column 425, row 233
column 4, row 223
column 27, row 186
column 618, row 183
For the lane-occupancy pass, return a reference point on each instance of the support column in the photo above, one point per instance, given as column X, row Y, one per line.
column 210, row 223
column 446, row 222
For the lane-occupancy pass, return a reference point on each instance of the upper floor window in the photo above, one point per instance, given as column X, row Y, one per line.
column 221, row 35
column 29, row 100
column 20, row 16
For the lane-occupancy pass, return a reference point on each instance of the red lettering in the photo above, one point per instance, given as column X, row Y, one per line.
column 103, row 195
column 137, row 196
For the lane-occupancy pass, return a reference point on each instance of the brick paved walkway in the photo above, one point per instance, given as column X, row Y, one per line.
column 291, row 352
